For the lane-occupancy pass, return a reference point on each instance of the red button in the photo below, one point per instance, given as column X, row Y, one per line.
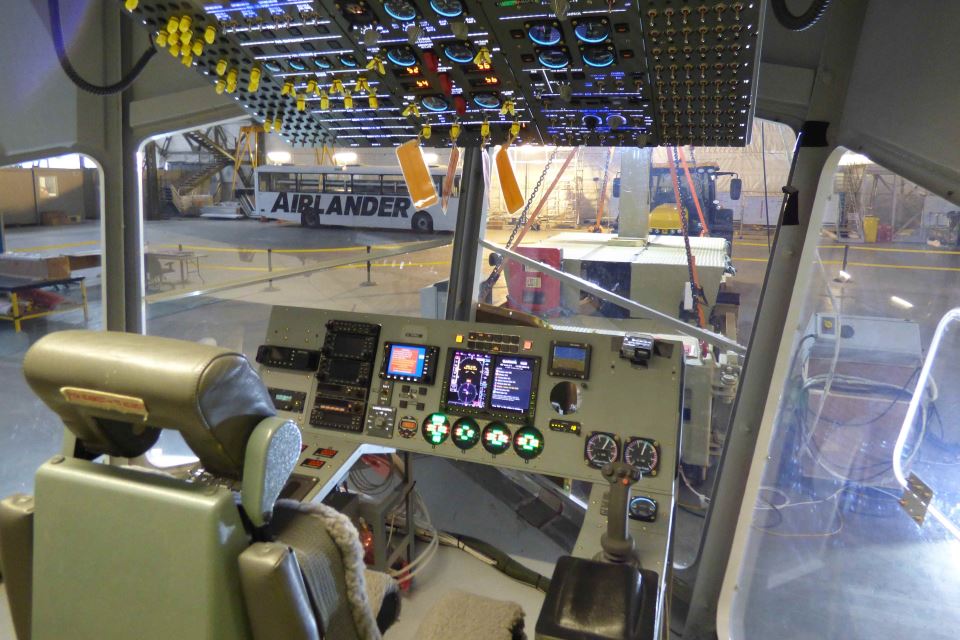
column 325, row 453
column 313, row 463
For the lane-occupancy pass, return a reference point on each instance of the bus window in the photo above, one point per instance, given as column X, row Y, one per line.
column 455, row 192
column 309, row 183
column 394, row 185
column 366, row 184
column 272, row 182
column 438, row 184
column 336, row 183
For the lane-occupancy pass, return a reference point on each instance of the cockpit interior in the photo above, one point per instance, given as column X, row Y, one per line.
column 479, row 320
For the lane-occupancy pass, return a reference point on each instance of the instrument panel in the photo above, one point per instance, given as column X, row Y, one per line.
column 571, row 72
column 546, row 401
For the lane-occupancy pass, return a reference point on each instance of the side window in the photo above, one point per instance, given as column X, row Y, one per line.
column 283, row 182
column 455, row 192
column 264, row 181
column 309, row 183
column 366, row 184
column 394, row 185
column 336, row 183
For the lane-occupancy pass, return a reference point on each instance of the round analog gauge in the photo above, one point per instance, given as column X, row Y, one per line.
column 592, row 31
column 348, row 60
column 545, row 35
column 447, row 8
column 466, row 433
column 496, row 438
column 407, row 427
column 643, row 454
column 272, row 67
column 434, row 103
column 320, row 62
column 591, row 121
column 402, row 57
column 400, row 10
column 600, row 449
column 598, row 57
column 643, row 508
column 436, row 428
column 615, row 121
column 528, row 442
column 554, row 59
column 487, row 100
column 459, row 52
column 297, row 64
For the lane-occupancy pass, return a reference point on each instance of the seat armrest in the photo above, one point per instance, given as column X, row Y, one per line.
column 276, row 598
column 16, row 558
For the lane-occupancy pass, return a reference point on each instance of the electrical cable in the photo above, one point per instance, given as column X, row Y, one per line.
column 101, row 90
column 801, row 22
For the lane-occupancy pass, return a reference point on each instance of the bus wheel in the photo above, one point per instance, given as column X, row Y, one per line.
column 310, row 219
column 422, row 222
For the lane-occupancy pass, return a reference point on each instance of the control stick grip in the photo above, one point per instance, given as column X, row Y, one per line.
column 617, row 543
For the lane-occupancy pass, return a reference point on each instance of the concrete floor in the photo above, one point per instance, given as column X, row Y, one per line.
column 799, row 582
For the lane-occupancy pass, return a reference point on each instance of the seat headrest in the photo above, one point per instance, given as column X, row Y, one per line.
column 114, row 391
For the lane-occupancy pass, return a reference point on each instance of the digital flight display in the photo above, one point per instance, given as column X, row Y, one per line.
column 406, row 361
column 513, row 382
column 468, row 379
column 570, row 360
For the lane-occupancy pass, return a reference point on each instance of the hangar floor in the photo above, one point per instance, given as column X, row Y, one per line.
column 227, row 251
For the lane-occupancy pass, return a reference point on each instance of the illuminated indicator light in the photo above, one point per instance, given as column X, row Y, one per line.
column 348, row 60
column 493, row 80
column 423, row 84
column 325, row 453
column 459, row 338
column 313, row 463
column 496, row 438
column 321, row 63
column 527, row 345
column 413, row 71
column 528, row 443
column 466, row 433
column 436, row 428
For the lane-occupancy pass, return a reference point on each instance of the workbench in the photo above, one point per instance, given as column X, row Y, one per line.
column 16, row 286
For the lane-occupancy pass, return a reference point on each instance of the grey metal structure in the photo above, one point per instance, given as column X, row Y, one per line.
column 398, row 414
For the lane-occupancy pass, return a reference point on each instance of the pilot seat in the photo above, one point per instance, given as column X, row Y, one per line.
column 110, row 551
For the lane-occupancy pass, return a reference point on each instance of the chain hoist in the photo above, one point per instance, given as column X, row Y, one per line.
column 487, row 286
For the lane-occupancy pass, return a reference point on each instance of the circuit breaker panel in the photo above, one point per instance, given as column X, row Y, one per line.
column 572, row 72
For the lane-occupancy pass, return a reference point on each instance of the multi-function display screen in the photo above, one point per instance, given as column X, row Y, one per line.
column 406, row 361
column 513, row 381
column 469, row 379
column 409, row 362
column 492, row 385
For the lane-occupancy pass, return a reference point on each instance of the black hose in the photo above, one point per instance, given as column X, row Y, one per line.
column 117, row 87
column 803, row 21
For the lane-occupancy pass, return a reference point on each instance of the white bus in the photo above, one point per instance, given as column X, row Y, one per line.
column 369, row 197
